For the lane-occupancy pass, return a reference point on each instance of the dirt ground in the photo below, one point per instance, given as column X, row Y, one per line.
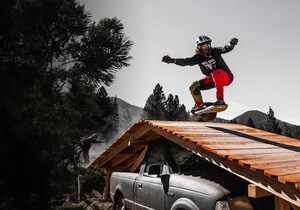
column 95, row 201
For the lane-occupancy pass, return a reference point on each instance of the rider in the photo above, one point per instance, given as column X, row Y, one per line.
column 87, row 144
column 217, row 74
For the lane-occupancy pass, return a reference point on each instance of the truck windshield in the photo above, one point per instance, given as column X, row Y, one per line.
column 185, row 159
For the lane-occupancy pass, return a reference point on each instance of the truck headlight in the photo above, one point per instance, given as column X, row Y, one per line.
column 222, row 205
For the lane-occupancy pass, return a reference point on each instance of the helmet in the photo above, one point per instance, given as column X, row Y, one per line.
column 202, row 39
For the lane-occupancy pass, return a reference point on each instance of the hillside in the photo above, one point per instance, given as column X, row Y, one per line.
column 134, row 111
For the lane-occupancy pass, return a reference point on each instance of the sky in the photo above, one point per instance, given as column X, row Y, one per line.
column 265, row 63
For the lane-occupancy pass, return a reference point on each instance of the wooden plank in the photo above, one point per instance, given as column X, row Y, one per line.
column 289, row 179
column 283, row 164
column 221, row 140
column 282, row 171
column 246, row 151
column 264, row 156
column 249, row 162
column 276, row 141
column 247, row 146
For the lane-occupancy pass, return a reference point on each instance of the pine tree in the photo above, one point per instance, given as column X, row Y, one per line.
column 158, row 108
column 286, row 131
column 233, row 121
column 171, row 106
column 250, row 123
column 296, row 131
column 175, row 111
column 112, row 121
column 154, row 108
column 272, row 125
column 104, row 105
column 182, row 113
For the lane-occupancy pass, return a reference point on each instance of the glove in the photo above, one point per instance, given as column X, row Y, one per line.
column 233, row 41
column 167, row 59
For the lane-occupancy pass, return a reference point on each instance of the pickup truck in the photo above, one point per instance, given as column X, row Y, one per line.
column 173, row 178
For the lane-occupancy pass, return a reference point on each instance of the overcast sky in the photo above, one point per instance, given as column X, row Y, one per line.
column 265, row 62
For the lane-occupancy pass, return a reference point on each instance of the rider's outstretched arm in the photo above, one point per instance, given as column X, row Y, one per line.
column 180, row 61
column 227, row 48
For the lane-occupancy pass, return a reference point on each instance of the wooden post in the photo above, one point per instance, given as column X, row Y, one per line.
column 281, row 204
column 106, row 196
column 295, row 207
column 78, row 188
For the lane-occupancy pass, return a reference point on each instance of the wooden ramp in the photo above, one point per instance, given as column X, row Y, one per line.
column 267, row 160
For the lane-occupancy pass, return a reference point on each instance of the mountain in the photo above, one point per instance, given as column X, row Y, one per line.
column 257, row 117
column 134, row 111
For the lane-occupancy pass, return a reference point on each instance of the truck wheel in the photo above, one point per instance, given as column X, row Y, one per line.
column 120, row 205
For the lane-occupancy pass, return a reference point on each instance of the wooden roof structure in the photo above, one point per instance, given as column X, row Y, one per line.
column 267, row 160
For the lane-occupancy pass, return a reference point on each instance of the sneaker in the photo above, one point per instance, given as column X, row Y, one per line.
column 220, row 102
column 198, row 108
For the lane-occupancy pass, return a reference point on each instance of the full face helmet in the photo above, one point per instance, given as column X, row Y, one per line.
column 200, row 41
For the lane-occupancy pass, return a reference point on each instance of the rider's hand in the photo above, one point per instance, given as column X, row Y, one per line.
column 233, row 41
column 167, row 59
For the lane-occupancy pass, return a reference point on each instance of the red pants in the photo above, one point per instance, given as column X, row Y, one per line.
column 218, row 79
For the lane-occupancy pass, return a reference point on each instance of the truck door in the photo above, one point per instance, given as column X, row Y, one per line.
column 149, row 190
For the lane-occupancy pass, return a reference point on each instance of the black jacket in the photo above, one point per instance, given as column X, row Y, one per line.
column 87, row 143
column 207, row 63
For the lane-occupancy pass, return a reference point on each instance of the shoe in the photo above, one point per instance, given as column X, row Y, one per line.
column 198, row 108
column 220, row 102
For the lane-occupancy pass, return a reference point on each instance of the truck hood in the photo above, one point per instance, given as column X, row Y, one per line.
column 212, row 181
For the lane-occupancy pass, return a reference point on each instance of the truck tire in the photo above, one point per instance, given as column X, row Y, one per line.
column 120, row 204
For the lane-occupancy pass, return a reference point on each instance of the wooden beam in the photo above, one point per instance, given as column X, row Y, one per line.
column 256, row 192
column 134, row 136
column 124, row 157
column 284, row 191
column 116, row 161
column 129, row 163
column 139, row 160
column 281, row 204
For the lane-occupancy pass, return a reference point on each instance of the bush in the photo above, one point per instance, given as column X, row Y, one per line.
column 92, row 179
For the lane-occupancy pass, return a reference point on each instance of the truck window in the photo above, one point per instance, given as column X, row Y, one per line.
column 185, row 159
column 156, row 158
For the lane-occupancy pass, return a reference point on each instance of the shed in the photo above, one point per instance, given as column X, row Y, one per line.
column 269, row 161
